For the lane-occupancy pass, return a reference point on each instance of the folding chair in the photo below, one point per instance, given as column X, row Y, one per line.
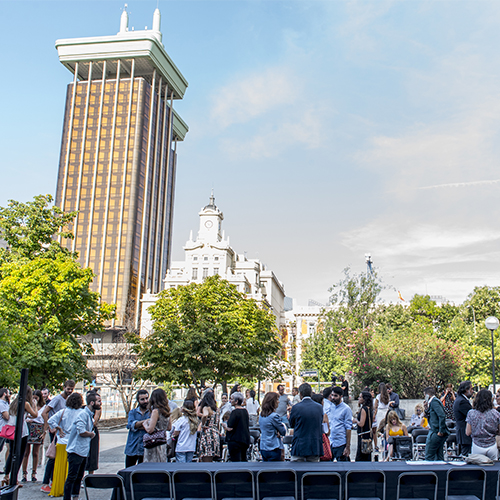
column 321, row 486
column 287, row 445
column 234, row 485
column 277, row 484
column 190, row 485
column 417, row 486
column 466, row 484
column 403, row 448
column 105, row 482
column 419, row 446
column 148, row 485
column 364, row 485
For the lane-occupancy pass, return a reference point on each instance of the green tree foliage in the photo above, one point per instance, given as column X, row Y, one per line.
column 209, row 332
column 46, row 305
column 29, row 228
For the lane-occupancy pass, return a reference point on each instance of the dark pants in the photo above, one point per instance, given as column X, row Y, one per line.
column 237, row 451
column 24, row 444
column 131, row 460
column 76, row 470
column 338, row 453
column 49, row 468
column 464, row 449
column 434, row 450
column 272, row 455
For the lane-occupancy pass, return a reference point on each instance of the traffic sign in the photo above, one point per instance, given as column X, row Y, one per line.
column 309, row 373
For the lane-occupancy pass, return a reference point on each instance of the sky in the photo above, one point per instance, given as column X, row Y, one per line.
column 328, row 129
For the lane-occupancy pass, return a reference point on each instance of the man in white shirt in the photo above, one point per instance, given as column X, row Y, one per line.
column 253, row 408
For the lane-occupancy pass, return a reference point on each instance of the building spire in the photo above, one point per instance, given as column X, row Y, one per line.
column 124, row 20
column 157, row 23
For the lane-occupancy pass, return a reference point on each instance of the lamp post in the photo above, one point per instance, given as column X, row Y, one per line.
column 492, row 324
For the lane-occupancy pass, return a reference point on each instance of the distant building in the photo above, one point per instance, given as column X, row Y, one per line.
column 210, row 254
column 302, row 323
column 118, row 160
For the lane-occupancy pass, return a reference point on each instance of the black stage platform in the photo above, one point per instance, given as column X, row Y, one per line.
column 392, row 470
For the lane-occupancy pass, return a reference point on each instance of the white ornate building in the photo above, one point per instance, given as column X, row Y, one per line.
column 210, row 254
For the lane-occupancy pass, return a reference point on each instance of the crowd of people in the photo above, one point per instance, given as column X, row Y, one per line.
column 320, row 426
column 66, row 424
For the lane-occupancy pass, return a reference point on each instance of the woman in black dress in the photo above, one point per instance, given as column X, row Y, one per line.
column 364, row 420
column 237, row 430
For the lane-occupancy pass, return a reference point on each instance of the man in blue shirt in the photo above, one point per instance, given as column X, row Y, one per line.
column 134, row 449
column 340, row 420
column 78, row 446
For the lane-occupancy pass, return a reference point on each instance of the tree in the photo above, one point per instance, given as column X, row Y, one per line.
column 117, row 366
column 52, row 307
column 45, row 296
column 30, row 228
column 355, row 295
column 208, row 331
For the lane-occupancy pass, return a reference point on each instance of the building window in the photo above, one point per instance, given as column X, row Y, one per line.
column 216, row 259
column 194, row 276
column 195, row 258
column 205, row 272
column 216, row 271
column 205, row 259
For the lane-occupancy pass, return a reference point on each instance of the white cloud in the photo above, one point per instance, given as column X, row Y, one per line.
column 254, row 95
column 306, row 128
column 425, row 240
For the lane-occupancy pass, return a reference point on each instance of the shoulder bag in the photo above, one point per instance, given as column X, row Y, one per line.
column 327, row 451
column 51, row 450
column 8, row 432
column 155, row 439
column 367, row 443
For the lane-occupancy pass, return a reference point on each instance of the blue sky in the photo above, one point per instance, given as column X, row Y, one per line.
column 327, row 129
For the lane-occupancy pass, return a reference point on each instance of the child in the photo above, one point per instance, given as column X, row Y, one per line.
column 184, row 432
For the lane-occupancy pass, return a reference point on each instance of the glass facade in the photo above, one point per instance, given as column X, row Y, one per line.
column 117, row 169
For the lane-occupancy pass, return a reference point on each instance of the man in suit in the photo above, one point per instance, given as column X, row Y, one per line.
column 461, row 407
column 306, row 420
column 437, row 423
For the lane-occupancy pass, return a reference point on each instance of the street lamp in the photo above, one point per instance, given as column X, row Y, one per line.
column 492, row 324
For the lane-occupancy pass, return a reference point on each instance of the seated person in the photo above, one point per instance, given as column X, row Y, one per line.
column 418, row 420
column 393, row 428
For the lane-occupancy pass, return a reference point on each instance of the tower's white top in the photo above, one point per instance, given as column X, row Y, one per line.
column 124, row 21
column 210, row 223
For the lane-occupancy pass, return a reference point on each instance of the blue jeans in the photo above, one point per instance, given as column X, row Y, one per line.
column 271, row 455
column 184, row 456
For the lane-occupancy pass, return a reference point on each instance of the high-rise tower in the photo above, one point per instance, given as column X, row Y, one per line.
column 118, row 160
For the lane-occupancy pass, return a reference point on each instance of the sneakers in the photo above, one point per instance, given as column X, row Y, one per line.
column 45, row 488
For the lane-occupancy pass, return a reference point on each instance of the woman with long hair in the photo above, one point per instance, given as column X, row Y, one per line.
column 35, row 437
column 380, row 408
column 158, row 421
column 364, row 420
column 184, row 430
column 272, row 429
column 394, row 427
column 63, row 421
column 483, row 425
column 448, row 399
column 209, row 444
column 25, row 432
column 192, row 396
